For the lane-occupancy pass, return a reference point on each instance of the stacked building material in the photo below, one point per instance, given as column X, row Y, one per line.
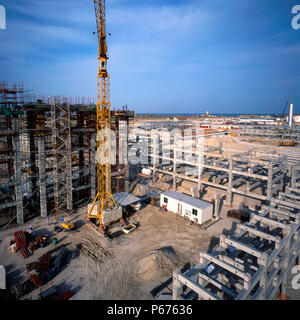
column 55, row 293
column 35, row 279
column 21, row 243
column 58, row 259
column 31, row 266
column 20, row 239
column 43, row 262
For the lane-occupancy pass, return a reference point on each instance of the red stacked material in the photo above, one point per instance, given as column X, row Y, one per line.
column 66, row 295
column 25, row 252
column 20, row 239
column 43, row 262
column 35, row 280
column 31, row 266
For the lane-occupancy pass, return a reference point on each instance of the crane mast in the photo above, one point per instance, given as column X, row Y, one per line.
column 104, row 196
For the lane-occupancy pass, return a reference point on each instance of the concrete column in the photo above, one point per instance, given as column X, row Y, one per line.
column 270, row 182
column 177, row 286
column 31, row 120
column 200, row 150
column 285, row 268
column 80, row 124
column 93, row 166
column 250, row 170
column 155, row 148
column 229, row 190
column 42, row 176
column 217, row 199
column 127, row 162
column 69, row 174
column 293, row 177
column 18, row 180
column 263, row 278
column 174, row 164
column 123, row 150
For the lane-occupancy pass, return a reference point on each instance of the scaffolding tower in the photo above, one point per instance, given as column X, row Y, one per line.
column 62, row 155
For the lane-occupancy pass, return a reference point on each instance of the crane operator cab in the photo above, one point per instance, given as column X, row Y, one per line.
column 102, row 67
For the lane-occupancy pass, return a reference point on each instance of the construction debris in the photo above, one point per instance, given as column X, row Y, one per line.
column 92, row 249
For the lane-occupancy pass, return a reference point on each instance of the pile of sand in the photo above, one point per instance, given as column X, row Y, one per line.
column 158, row 263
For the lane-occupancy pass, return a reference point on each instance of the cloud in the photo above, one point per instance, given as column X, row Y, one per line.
column 157, row 20
column 172, row 53
column 55, row 10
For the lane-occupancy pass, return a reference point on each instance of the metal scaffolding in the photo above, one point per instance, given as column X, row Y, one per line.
column 62, row 154
column 47, row 153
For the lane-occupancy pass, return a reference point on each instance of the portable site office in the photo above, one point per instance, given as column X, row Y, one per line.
column 196, row 210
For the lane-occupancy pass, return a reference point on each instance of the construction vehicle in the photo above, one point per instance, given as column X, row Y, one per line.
column 65, row 226
column 107, row 210
column 287, row 144
column 68, row 226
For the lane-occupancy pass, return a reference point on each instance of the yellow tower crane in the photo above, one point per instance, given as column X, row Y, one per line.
column 104, row 196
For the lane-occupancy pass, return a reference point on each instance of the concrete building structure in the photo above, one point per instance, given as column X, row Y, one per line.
column 264, row 131
column 47, row 153
column 258, row 121
column 250, row 174
column 253, row 263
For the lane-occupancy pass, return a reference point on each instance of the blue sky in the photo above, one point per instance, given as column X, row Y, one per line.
column 180, row 56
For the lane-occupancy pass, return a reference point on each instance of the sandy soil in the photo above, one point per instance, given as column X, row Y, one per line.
column 126, row 267
column 113, row 268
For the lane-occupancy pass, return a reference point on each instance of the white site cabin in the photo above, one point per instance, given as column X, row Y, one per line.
column 196, row 210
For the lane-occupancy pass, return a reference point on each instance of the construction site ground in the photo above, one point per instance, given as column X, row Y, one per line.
column 120, row 268
column 126, row 267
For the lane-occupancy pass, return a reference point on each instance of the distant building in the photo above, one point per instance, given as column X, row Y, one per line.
column 296, row 118
column 258, row 121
